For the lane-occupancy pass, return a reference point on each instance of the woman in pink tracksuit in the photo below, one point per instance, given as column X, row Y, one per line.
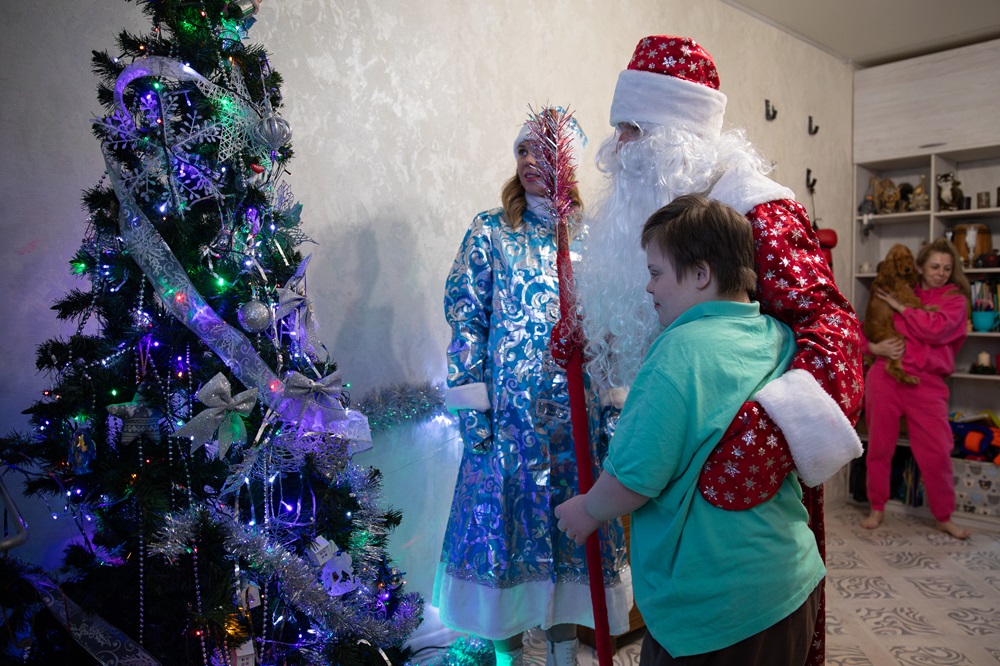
column 931, row 337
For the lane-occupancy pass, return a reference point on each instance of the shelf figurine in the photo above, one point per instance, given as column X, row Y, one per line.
column 920, row 199
column 950, row 196
column 886, row 196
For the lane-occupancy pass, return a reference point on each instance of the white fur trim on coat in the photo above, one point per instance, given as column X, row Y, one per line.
column 467, row 396
column 614, row 396
column 745, row 188
column 820, row 437
column 660, row 99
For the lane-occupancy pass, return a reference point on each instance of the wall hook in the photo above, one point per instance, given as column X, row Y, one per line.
column 812, row 128
column 770, row 112
column 810, row 181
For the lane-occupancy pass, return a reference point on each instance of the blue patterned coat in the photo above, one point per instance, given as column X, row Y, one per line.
column 502, row 300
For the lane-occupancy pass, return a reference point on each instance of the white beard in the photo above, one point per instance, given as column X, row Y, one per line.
column 619, row 321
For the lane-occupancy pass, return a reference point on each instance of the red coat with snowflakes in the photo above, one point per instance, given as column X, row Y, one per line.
column 795, row 285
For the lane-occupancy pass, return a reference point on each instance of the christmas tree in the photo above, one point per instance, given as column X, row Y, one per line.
column 196, row 429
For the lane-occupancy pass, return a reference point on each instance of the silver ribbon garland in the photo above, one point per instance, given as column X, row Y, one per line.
column 179, row 296
column 20, row 525
column 224, row 414
column 105, row 642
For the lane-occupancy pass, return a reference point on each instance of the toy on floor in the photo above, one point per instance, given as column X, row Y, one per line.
column 976, row 440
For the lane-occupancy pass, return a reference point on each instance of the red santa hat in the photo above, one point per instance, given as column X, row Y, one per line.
column 670, row 81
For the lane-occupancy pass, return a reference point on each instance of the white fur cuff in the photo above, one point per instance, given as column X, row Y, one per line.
column 614, row 397
column 820, row 437
column 467, row 396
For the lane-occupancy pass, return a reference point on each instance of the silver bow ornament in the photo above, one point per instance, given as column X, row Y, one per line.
column 314, row 405
column 304, row 327
column 223, row 414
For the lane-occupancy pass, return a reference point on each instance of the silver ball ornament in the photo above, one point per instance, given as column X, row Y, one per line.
column 272, row 131
column 254, row 316
column 240, row 9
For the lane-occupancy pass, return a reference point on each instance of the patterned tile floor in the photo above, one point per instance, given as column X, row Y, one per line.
column 901, row 595
column 906, row 594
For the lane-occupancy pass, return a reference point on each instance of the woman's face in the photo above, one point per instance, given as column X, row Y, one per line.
column 936, row 271
column 527, row 171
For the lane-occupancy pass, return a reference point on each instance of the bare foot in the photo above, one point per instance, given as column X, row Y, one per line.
column 951, row 528
column 873, row 520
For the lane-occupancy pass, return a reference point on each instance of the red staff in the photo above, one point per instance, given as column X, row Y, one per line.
column 551, row 141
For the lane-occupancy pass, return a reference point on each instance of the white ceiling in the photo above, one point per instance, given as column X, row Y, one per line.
column 874, row 32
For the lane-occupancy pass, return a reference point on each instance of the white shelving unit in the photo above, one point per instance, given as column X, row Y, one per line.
column 916, row 119
column 874, row 235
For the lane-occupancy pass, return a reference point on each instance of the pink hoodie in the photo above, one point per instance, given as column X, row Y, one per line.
column 933, row 337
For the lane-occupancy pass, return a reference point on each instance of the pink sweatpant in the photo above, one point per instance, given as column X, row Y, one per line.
column 925, row 407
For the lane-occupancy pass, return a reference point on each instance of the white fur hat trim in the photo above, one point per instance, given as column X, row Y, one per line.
column 661, row 99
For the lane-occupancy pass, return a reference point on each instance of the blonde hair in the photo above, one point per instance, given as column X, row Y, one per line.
column 515, row 202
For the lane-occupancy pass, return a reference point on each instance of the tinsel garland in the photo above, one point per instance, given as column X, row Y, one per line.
column 286, row 453
column 335, row 617
column 398, row 404
column 350, row 614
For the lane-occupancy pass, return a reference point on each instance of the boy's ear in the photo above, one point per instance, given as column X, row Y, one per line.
column 702, row 274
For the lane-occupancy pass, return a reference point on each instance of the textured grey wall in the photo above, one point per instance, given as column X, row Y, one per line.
column 403, row 117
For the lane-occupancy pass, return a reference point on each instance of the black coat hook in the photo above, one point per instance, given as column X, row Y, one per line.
column 811, row 184
column 812, row 128
column 770, row 113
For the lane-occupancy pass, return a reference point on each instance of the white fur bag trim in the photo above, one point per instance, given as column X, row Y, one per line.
column 820, row 437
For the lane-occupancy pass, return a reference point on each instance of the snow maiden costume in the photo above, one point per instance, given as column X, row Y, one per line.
column 505, row 567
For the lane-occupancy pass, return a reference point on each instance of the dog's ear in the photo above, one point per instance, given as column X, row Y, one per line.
column 878, row 269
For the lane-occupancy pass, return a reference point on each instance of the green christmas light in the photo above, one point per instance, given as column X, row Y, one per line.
column 227, row 105
column 360, row 540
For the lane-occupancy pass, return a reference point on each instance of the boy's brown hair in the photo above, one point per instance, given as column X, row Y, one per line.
column 693, row 228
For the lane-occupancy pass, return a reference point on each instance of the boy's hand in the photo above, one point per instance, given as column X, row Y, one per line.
column 574, row 519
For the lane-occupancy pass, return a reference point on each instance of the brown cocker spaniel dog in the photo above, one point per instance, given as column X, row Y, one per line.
column 897, row 275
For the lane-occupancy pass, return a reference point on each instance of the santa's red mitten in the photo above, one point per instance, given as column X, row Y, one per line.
column 749, row 463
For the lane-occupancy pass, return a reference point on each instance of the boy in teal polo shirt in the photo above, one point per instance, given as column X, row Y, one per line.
column 735, row 587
